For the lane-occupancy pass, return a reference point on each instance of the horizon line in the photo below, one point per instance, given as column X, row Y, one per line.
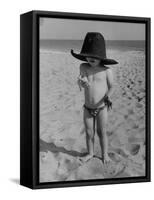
column 82, row 40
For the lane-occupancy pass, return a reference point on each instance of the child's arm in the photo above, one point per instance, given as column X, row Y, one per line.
column 82, row 79
column 110, row 82
column 79, row 83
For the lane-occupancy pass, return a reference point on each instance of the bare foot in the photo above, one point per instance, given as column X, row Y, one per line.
column 106, row 159
column 86, row 158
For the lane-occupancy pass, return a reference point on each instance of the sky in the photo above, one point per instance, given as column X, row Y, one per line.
column 72, row 29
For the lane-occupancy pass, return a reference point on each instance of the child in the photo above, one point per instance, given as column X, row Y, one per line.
column 97, row 81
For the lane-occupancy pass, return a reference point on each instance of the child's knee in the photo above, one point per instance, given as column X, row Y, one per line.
column 101, row 131
column 89, row 133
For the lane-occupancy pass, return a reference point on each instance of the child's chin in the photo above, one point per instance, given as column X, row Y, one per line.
column 93, row 65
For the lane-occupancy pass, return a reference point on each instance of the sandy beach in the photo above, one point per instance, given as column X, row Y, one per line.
column 62, row 134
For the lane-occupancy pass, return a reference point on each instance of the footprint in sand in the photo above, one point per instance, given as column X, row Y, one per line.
column 121, row 152
column 44, row 156
column 114, row 156
column 134, row 149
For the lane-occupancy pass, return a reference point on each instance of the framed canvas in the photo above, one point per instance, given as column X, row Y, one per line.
column 85, row 99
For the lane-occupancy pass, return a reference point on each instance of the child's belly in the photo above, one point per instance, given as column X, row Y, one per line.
column 94, row 93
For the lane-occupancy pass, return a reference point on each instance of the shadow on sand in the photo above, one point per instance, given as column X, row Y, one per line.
column 15, row 180
column 44, row 146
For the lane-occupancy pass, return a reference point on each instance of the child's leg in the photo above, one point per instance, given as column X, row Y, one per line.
column 88, row 122
column 101, row 130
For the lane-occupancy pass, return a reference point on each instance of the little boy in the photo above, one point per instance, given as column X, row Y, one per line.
column 97, row 81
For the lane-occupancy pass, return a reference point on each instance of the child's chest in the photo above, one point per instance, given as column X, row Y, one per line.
column 96, row 75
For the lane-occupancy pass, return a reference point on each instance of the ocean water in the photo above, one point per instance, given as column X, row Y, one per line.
column 67, row 45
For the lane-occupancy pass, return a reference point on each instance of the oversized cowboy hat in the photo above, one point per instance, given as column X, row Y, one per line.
column 94, row 46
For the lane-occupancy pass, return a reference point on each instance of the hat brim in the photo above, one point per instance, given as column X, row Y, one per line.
column 82, row 57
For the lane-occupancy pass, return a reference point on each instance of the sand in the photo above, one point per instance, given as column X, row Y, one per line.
column 62, row 134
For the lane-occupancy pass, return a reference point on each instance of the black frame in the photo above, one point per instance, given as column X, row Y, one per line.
column 29, row 99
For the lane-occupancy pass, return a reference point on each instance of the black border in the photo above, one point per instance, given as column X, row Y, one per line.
column 35, row 98
column 26, row 173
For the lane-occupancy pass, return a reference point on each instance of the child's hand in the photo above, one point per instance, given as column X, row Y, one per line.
column 82, row 81
column 108, row 102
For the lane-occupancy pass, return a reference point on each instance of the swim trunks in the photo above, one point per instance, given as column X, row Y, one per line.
column 95, row 111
